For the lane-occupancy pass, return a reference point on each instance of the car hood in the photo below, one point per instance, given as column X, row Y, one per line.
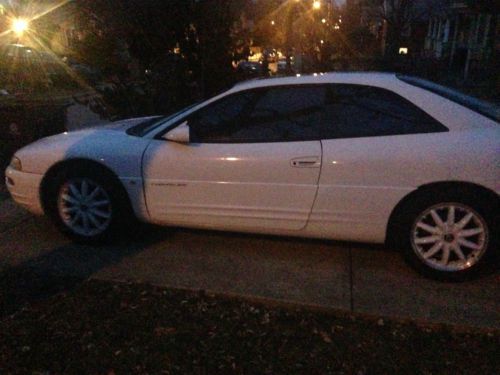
column 124, row 125
column 104, row 144
column 95, row 131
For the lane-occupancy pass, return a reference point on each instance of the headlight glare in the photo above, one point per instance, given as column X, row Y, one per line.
column 15, row 163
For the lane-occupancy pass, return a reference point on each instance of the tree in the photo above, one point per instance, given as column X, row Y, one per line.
column 199, row 31
column 211, row 26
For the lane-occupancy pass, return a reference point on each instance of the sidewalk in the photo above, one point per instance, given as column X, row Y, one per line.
column 4, row 194
column 11, row 214
column 361, row 279
column 340, row 276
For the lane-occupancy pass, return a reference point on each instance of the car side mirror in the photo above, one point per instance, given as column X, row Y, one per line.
column 180, row 134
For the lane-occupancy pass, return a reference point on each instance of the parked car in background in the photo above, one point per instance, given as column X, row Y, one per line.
column 365, row 157
column 282, row 66
column 249, row 69
column 21, row 68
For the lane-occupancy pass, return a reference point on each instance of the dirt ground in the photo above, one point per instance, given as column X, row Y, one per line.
column 124, row 328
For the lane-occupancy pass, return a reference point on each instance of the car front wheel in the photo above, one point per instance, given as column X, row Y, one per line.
column 84, row 207
column 89, row 206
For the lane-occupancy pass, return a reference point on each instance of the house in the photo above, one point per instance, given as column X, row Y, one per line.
column 464, row 35
column 398, row 25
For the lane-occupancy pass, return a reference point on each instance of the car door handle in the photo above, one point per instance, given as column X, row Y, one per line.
column 306, row 162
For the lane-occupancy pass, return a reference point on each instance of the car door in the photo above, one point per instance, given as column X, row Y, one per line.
column 377, row 148
column 250, row 164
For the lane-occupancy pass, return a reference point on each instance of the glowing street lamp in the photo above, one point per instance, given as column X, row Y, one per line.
column 316, row 4
column 19, row 26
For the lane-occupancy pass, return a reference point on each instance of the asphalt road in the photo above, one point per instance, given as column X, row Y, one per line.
column 36, row 261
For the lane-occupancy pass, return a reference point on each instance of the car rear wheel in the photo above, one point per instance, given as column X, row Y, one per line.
column 449, row 237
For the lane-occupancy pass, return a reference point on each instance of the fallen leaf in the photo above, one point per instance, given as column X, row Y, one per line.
column 326, row 337
column 265, row 319
column 165, row 331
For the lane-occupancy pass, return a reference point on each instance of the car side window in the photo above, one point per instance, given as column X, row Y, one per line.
column 364, row 111
column 218, row 120
column 284, row 114
column 276, row 114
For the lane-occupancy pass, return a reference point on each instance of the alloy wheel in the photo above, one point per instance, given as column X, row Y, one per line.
column 449, row 237
column 84, row 207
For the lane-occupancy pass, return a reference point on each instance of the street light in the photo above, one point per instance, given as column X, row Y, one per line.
column 316, row 4
column 19, row 26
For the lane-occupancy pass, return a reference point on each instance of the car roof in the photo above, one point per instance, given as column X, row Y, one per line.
column 452, row 114
column 369, row 78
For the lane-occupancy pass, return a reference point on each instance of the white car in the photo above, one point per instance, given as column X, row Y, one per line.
column 368, row 157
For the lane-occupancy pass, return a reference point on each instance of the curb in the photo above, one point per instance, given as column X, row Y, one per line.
column 314, row 308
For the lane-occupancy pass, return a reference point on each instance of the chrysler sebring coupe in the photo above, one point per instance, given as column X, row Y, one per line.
column 368, row 157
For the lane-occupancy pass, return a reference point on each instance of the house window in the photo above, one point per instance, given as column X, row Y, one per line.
column 447, row 27
column 481, row 33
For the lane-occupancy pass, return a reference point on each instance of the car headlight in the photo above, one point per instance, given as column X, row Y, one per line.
column 15, row 163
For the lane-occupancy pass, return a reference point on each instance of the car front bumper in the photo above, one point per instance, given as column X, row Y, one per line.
column 25, row 189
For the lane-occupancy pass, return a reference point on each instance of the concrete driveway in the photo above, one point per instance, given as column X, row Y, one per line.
column 35, row 261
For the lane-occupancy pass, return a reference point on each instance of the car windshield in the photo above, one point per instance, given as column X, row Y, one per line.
column 145, row 127
column 487, row 109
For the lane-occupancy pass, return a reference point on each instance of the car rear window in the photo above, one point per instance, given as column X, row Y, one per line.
column 486, row 109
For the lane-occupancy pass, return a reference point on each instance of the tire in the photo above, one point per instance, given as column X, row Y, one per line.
column 450, row 235
column 88, row 204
